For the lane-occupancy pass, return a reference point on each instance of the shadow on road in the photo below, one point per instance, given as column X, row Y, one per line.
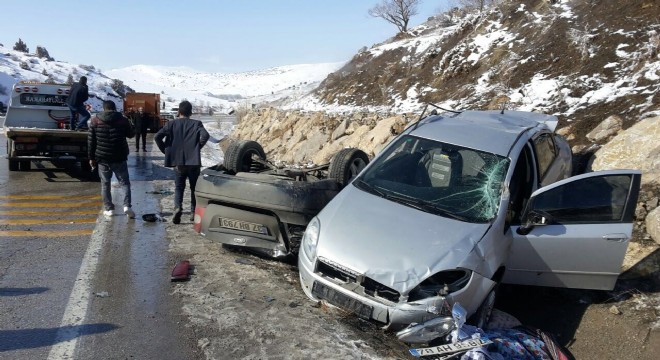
column 35, row 338
column 22, row 291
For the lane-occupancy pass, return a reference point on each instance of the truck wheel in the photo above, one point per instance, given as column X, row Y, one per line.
column 347, row 164
column 24, row 165
column 13, row 165
column 239, row 156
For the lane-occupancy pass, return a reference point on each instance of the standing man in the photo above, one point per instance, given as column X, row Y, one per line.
column 108, row 149
column 181, row 141
column 78, row 94
column 141, row 124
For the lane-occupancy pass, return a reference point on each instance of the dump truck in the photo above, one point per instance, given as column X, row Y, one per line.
column 36, row 127
column 150, row 104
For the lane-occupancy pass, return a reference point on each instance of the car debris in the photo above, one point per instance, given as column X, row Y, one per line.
column 181, row 271
column 455, row 205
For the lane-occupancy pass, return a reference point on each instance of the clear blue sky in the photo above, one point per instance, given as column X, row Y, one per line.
column 208, row 35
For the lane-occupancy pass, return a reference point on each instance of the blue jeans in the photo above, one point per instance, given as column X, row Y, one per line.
column 82, row 119
column 183, row 172
column 120, row 169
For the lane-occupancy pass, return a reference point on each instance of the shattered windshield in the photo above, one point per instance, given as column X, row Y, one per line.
column 443, row 179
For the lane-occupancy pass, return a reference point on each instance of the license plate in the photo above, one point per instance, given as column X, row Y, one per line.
column 340, row 300
column 243, row 226
column 66, row 148
column 450, row 348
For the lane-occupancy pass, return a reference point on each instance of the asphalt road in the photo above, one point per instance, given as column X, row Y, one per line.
column 77, row 285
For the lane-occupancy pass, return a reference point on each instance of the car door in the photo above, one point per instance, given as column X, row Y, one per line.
column 575, row 232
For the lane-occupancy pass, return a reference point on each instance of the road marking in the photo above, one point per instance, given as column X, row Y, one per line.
column 46, row 221
column 76, row 309
column 46, row 213
column 49, row 197
column 51, row 204
column 46, row 233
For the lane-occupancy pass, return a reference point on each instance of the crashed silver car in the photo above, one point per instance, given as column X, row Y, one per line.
column 454, row 206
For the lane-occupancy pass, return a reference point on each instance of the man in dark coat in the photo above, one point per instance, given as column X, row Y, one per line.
column 181, row 141
column 108, row 149
column 78, row 94
column 141, row 123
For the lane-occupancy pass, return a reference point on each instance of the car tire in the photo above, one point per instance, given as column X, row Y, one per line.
column 25, row 165
column 239, row 156
column 347, row 164
column 13, row 165
column 482, row 315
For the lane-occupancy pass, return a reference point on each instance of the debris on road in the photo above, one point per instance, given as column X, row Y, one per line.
column 181, row 271
column 102, row 294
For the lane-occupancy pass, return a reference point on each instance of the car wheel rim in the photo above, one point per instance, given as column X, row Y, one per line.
column 356, row 166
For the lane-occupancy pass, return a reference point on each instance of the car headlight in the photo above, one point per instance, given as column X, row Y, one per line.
column 311, row 238
column 440, row 284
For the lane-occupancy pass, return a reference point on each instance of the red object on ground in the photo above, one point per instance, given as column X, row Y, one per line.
column 181, row 271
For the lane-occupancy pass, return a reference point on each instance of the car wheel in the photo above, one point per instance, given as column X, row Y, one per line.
column 482, row 315
column 347, row 164
column 25, row 165
column 239, row 156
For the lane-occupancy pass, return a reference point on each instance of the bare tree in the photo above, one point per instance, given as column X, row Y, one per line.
column 397, row 12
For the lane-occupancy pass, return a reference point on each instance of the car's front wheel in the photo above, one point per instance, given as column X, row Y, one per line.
column 240, row 156
column 482, row 315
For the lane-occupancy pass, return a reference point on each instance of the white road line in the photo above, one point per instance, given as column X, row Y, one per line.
column 76, row 308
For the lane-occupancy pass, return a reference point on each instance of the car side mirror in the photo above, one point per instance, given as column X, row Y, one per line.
column 534, row 218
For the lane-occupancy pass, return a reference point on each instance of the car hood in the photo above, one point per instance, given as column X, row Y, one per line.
column 393, row 244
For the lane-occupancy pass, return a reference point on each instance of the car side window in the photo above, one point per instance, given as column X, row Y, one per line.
column 591, row 200
column 546, row 151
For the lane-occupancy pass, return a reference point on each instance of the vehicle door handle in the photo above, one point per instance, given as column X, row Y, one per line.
column 615, row 237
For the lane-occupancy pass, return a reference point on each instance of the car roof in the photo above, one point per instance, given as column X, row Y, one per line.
column 492, row 131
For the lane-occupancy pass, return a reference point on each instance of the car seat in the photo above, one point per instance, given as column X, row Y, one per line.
column 440, row 168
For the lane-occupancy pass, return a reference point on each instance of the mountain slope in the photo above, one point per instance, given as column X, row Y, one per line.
column 579, row 60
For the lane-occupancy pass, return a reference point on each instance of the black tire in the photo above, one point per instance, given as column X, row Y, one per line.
column 482, row 315
column 239, row 156
column 25, row 165
column 13, row 165
column 347, row 164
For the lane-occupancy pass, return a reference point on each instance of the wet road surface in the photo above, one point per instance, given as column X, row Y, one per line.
column 75, row 284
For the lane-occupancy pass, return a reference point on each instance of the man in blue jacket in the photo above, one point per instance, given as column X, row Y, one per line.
column 78, row 94
column 181, row 141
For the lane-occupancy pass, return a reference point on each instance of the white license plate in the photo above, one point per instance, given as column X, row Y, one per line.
column 243, row 226
column 450, row 348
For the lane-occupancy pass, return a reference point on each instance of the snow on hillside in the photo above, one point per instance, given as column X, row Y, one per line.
column 224, row 90
column 221, row 91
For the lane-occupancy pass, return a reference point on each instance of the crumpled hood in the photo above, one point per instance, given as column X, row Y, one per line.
column 109, row 117
column 393, row 244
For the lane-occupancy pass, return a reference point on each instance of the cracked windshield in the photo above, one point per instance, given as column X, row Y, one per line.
column 438, row 178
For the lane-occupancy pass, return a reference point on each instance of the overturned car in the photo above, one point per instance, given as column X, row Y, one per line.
column 250, row 202
column 457, row 204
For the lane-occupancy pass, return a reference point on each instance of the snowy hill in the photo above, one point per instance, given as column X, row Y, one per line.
column 221, row 91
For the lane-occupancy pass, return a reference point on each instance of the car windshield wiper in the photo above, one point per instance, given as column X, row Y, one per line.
column 369, row 188
column 425, row 206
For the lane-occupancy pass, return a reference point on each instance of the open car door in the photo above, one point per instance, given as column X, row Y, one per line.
column 575, row 232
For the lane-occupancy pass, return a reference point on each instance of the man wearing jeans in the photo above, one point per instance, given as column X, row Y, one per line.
column 181, row 141
column 78, row 94
column 108, row 149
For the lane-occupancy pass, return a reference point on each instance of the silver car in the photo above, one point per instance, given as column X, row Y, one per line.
column 457, row 204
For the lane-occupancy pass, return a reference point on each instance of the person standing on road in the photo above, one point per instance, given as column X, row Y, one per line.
column 78, row 94
column 108, row 149
column 181, row 141
column 141, row 124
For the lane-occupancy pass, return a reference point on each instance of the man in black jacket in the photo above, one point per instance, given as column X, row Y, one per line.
column 141, row 123
column 181, row 141
column 78, row 94
column 108, row 149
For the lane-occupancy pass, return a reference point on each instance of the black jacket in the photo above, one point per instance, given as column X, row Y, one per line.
column 181, row 141
column 106, row 140
column 78, row 94
column 140, row 121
